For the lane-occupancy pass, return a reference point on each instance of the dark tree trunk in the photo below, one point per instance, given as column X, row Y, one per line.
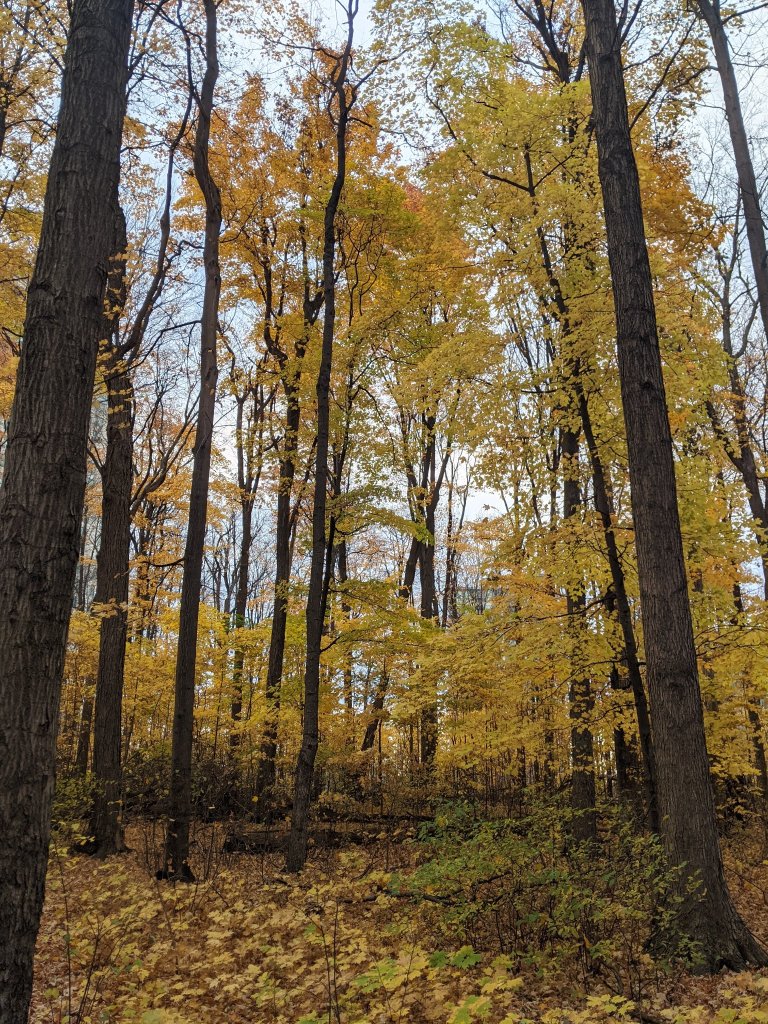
column 375, row 711
column 82, row 754
column 623, row 611
column 428, row 732
column 745, row 171
column 241, row 607
column 346, row 611
column 265, row 777
column 753, row 715
column 112, row 602
column 580, row 699
column 684, row 789
column 180, row 811
column 45, row 466
column 321, row 548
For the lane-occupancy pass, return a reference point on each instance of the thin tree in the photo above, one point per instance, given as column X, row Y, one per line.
column 119, row 355
column 686, row 801
column 45, row 465
column 180, row 810
column 344, row 94
column 711, row 12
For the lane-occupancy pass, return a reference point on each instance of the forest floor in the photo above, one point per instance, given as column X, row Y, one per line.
column 342, row 943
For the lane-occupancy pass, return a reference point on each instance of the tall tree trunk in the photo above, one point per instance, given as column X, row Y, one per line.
column 321, row 548
column 180, row 810
column 346, row 611
column 45, row 466
column 428, row 732
column 112, row 601
column 580, row 698
column 745, row 171
column 265, row 776
column 753, row 715
column 82, row 754
column 375, row 710
column 241, row 607
column 623, row 610
column 686, row 801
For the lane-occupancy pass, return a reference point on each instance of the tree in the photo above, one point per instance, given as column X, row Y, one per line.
column 686, row 801
column 180, row 810
column 344, row 94
column 45, row 466
column 710, row 11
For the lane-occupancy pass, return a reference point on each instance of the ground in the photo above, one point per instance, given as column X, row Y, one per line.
column 343, row 943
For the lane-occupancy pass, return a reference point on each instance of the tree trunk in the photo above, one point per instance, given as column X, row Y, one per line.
column 745, row 171
column 428, row 732
column 83, row 751
column 180, row 811
column 265, row 776
column 623, row 610
column 45, row 466
column 112, row 600
column 321, row 550
column 686, row 802
column 580, row 699
column 346, row 611
column 241, row 607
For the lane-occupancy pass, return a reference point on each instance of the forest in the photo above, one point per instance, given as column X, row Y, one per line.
column 384, row 512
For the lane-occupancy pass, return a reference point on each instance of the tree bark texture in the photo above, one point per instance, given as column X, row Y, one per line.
column 623, row 610
column 112, row 603
column 305, row 766
column 45, row 466
column 686, row 802
column 580, row 698
column 180, row 811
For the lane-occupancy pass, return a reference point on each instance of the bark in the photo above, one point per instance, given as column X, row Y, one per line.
column 265, row 777
column 82, row 754
column 428, row 733
column 623, row 611
column 580, row 698
column 745, row 171
column 45, row 466
column 241, row 607
column 346, row 611
column 321, row 548
column 248, row 479
column 180, row 810
column 117, row 507
column 112, row 603
column 686, row 801
column 753, row 714
column 375, row 711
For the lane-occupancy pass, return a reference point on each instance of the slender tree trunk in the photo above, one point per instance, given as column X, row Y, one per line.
column 580, row 698
column 241, row 607
column 315, row 613
column 623, row 610
column 745, row 171
column 686, row 802
column 265, row 776
column 376, row 708
column 83, row 751
column 45, row 466
column 753, row 715
column 428, row 733
column 112, row 601
column 346, row 611
column 180, row 813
